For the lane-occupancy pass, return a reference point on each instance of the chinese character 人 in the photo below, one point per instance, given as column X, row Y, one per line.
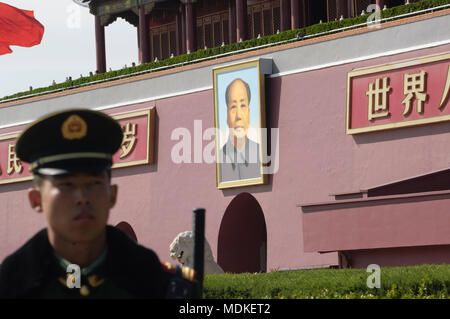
column 14, row 165
column 414, row 87
column 378, row 98
column 129, row 139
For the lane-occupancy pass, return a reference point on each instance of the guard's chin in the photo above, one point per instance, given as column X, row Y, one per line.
column 239, row 133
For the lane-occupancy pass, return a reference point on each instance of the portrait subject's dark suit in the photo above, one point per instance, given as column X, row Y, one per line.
column 239, row 165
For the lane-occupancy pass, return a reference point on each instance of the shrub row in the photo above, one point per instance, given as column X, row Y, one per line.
column 425, row 281
column 316, row 29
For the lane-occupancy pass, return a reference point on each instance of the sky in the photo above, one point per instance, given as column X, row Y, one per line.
column 67, row 48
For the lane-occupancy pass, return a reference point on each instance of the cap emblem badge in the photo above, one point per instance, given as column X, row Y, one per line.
column 74, row 128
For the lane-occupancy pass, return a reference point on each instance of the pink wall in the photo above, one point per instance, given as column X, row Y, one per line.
column 391, row 221
column 317, row 159
column 392, row 257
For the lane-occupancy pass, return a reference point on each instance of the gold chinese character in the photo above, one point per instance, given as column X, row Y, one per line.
column 378, row 107
column 129, row 139
column 446, row 93
column 414, row 86
column 14, row 164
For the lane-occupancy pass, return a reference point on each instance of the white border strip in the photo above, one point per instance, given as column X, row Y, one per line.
column 153, row 98
column 301, row 70
column 280, row 74
column 128, row 103
column 363, row 58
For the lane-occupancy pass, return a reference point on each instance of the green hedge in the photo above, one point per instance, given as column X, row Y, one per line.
column 426, row 281
column 228, row 49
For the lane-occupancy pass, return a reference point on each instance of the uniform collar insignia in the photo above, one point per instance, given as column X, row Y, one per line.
column 94, row 281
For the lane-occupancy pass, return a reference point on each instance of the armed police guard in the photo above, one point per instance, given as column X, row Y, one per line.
column 78, row 254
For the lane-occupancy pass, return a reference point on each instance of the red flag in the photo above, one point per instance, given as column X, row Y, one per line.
column 18, row 27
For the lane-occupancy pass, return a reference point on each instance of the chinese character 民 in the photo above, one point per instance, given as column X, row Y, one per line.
column 14, row 164
column 446, row 93
column 414, row 86
column 129, row 139
column 378, row 98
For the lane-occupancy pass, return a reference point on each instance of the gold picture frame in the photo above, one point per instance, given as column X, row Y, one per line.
column 238, row 127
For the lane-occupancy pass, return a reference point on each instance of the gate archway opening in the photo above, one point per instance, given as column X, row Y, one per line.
column 242, row 244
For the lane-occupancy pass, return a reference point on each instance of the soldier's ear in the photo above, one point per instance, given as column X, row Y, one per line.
column 34, row 197
column 113, row 196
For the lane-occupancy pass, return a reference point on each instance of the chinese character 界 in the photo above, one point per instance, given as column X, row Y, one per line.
column 14, row 164
column 414, row 86
column 446, row 90
column 378, row 107
column 129, row 139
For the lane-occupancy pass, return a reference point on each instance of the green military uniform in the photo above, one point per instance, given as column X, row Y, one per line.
column 71, row 142
column 127, row 270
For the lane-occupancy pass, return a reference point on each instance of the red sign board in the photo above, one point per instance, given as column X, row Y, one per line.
column 137, row 145
column 11, row 169
column 136, row 148
column 397, row 95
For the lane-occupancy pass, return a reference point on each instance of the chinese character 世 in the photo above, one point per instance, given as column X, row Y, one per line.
column 414, row 86
column 378, row 107
column 446, row 93
column 129, row 139
column 14, row 164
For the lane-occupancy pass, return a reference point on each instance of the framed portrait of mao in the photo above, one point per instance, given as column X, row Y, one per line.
column 239, row 117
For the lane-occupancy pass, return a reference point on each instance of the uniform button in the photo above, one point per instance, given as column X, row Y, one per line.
column 84, row 291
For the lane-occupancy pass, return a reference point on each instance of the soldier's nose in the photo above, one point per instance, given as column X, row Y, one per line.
column 81, row 195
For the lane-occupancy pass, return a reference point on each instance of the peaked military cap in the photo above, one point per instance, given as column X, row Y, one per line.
column 70, row 141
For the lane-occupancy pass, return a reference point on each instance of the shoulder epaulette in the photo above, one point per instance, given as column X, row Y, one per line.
column 182, row 282
column 185, row 272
